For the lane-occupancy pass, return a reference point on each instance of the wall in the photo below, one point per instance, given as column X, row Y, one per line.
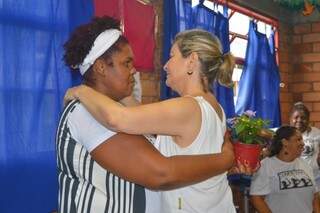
column 150, row 82
column 306, row 62
column 268, row 8
column 285, row 69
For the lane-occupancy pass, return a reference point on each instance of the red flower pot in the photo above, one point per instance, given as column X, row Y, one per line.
column 247, row 154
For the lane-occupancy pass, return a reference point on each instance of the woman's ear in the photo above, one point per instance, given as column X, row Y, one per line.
column 100, row 67
column 193, row 60
column 285, row 142
column 193, row 57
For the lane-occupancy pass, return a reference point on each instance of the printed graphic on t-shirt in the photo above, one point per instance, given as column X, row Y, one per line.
column 294, row 179
column 308, row 149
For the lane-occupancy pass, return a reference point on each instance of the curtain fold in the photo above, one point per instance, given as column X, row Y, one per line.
column 276, row 119
column 180, row 16
column 170, row 29
column 33, row 79
column 224, row 94
column 259, row 82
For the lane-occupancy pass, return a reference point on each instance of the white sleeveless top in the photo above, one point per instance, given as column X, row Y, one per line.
column 212, row 195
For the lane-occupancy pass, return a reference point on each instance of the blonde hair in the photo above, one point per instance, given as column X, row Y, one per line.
column 215, row 66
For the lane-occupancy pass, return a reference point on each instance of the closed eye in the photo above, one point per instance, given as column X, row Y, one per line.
column 129, row 63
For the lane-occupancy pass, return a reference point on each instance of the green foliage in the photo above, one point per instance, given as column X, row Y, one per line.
column 247, row 129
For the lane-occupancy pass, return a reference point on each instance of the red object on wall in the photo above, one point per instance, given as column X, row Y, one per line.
column 109, row 7
column 139, row 25
column 139, row 22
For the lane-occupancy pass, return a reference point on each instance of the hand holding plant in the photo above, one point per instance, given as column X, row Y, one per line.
column 250, row 134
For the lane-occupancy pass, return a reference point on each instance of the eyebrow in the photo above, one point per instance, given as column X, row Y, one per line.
column 128, row 59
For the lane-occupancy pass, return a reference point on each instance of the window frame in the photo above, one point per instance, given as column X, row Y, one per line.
column 255, row 15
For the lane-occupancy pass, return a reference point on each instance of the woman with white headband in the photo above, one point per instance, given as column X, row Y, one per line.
column 91, row 158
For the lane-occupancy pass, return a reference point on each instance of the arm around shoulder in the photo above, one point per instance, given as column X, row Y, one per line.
column 165, row 117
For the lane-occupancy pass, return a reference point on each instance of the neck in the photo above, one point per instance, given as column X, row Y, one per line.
column 305, row 130
column 103, row 89
column 192, row 90
column 286, row 157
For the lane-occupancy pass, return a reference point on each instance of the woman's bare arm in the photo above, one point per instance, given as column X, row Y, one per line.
column 130, row 101
column 135, row 159
column 259, row 204
column 316, row 203
column 171, row 117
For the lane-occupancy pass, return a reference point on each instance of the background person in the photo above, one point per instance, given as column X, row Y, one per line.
column 300, row 118
column 285, row 183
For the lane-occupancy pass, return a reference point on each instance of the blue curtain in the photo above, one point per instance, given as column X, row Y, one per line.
column 179, row 16
column 33, row 80
column 224, row 94
column 259, row 82
column 276, row 121
column 170, row 29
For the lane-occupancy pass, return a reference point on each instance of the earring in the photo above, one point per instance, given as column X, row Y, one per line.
column 189, row 72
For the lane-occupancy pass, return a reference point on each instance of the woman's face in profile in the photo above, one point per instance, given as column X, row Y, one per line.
column 176, row 67
column 119, row 75
column 295, row 144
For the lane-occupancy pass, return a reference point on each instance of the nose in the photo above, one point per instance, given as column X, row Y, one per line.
column 165, row 67
column 133, row 71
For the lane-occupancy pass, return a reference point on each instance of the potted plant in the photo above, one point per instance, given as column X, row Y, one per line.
column 249, row 134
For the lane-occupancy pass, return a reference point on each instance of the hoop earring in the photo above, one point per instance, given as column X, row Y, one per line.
column 189, row 72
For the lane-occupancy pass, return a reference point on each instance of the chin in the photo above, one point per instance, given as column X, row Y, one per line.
column 168, row 83
column 129, row 92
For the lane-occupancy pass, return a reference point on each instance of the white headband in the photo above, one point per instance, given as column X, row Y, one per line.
column 102, row 43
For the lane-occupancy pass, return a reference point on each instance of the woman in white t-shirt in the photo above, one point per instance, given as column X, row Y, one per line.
column 285, row 183
column 188, row 125
column 299, row 118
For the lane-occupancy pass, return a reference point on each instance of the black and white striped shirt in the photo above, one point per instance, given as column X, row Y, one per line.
column 84, row 186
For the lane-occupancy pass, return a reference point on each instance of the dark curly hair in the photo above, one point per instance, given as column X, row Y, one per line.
column 284, row 132
column 81, row 40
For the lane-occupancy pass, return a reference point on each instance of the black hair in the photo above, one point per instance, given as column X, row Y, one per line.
column 284, row 132
column 81, row 40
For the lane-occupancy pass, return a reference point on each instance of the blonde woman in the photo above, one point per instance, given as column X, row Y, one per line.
column 191, row 124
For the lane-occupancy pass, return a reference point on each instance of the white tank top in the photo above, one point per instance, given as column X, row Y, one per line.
column 212, row 195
